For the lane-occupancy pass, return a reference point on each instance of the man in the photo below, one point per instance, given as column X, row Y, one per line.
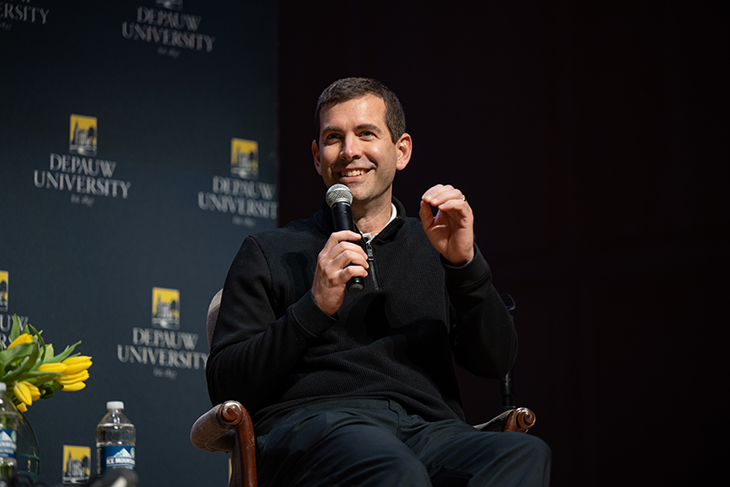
column 359, row 389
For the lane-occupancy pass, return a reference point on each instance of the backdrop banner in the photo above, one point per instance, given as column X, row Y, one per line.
column 137, row 150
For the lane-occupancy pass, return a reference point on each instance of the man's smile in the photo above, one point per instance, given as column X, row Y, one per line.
column 349, row 173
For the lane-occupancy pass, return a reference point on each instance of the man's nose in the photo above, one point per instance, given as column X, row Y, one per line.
column 351, row 148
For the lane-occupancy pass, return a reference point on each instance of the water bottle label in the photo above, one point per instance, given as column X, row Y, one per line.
column 8, row 443
column 117, row 457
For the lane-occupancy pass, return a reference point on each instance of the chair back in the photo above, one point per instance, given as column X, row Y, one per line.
column 227, row 426
column 213, row 308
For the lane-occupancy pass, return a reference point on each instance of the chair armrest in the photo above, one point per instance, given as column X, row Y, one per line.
column 215, row 431
column 513, row 420
column 227, row 427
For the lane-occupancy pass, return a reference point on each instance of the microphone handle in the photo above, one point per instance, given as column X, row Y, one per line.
column 355, row 284
column 342, row 218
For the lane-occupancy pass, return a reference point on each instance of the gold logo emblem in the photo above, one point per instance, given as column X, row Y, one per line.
column 4, row 275
column 83, row 137
column 165, row 308
column 77, row 464
column 245, row 158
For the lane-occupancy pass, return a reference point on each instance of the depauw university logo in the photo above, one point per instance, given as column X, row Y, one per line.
column 165, row 308
column 245, row 158
column 84, row 134
column 77, row 464
column 4, row 277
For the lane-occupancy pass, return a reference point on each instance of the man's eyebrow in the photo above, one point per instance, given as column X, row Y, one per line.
column 369, row 126
column 331, row 128
column 365, row 126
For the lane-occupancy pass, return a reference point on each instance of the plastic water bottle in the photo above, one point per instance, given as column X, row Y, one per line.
column 115, row 440
column 8, row 438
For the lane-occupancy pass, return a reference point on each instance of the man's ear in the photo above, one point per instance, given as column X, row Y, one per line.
column 404, row 148
column 315, row 155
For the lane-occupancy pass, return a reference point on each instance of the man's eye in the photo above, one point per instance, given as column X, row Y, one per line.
column 332, row 136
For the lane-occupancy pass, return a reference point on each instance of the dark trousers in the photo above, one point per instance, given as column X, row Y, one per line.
column 358, row 443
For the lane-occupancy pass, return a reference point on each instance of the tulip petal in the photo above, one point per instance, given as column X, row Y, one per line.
column 22, row 392
column 24, row 338
column 70, row 379
column 77, row 367
column 74, row 387
column 53, row 367
column 77, row 359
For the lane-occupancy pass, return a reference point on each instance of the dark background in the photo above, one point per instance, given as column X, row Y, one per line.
column 591, row 139
column 87, row 273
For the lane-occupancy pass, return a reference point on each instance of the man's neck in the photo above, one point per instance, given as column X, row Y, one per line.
column 372, row 220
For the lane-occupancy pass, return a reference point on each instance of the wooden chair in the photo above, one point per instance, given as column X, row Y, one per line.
column 227, row 427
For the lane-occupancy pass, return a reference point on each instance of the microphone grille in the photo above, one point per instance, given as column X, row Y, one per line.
column 338, row 193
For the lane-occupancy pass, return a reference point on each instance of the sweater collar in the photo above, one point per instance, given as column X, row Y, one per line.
column 385, row 234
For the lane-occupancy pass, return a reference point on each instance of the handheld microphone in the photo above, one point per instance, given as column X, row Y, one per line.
column 339, row 199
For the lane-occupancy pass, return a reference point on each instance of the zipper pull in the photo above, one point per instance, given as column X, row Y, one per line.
column 371, row 262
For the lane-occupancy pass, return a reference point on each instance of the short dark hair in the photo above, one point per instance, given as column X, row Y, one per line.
column 347, row 89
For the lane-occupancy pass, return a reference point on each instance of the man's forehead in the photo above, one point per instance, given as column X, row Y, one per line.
column 367, row 106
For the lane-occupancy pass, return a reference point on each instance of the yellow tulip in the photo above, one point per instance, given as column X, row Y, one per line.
column 24, row 338
column 58, row 367
column 77, row 367
column 35, row 393
column 72, row 379
column 22, row 408
column 75, row 360
column 22, row 392
column 74, row 387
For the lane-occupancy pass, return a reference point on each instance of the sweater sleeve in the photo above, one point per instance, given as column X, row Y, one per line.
column 254, row 346
column 483, row 336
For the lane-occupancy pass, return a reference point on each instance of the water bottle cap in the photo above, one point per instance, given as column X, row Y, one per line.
column 115, row 405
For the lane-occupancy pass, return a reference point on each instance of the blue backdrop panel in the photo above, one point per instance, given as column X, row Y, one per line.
column 137, row 150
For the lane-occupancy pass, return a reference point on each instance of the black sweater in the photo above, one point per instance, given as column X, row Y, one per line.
column 274, row 349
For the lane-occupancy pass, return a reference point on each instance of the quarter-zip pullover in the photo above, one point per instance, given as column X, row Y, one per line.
column 275, row 350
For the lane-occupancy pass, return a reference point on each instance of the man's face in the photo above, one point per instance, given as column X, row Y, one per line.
column 355, row 149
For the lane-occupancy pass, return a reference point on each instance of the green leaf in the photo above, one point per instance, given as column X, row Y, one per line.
column 22, row 350
column 32, row 358
column 25, row 365
column 11, row 376
column 40, row 340
column 15, row 329
column 47, row 390
column 48, row 352
column 37, row 377
column 63, row 355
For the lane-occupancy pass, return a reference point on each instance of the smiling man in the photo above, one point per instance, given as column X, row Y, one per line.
column 356, row 148
column 359, row 389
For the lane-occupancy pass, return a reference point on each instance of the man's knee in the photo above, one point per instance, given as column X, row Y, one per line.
column 396, row 471
column 498, row 459
column 336, row 449
column 533, row 447
column 369, row 455
column 526, row 461
column 521, row 448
